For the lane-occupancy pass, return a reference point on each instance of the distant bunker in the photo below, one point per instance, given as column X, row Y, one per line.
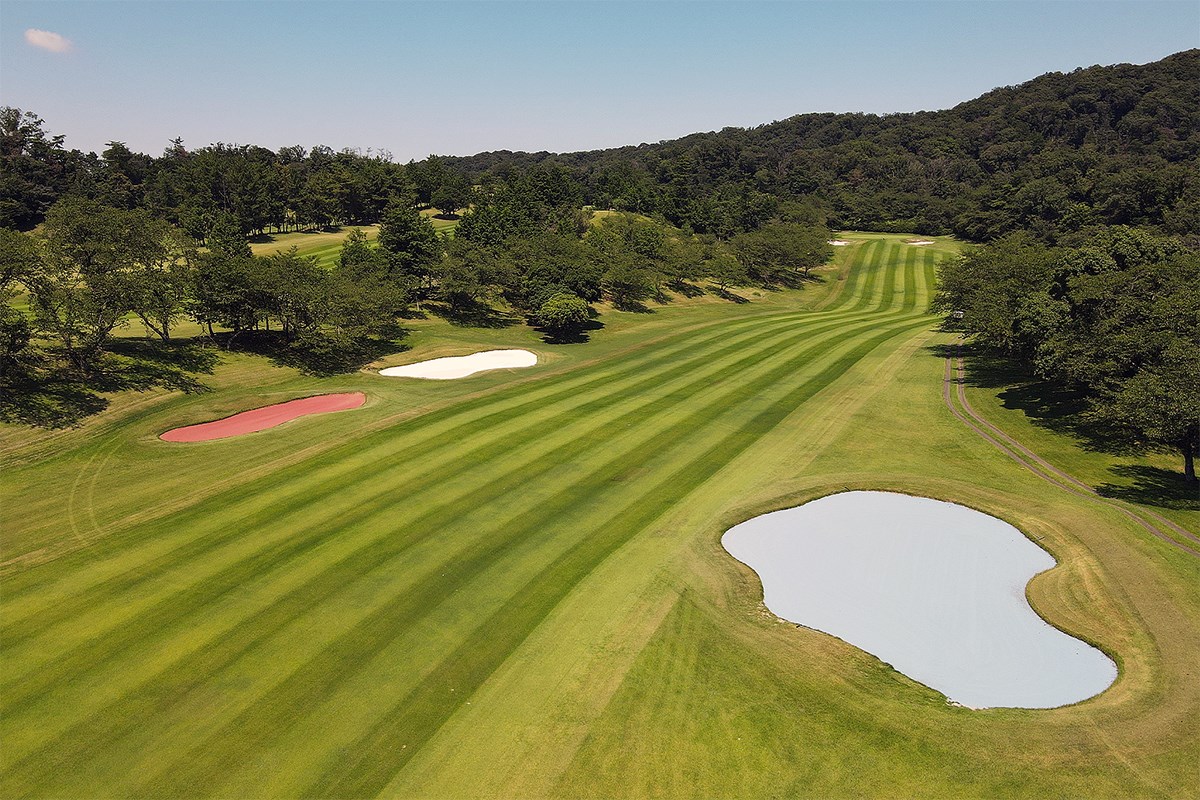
column 934, row 589
column 452, row 367
column 260, row 419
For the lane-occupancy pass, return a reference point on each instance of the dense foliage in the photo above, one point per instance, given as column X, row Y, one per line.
column 1105, row 145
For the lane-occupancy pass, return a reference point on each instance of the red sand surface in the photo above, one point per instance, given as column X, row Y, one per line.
column 259, row 419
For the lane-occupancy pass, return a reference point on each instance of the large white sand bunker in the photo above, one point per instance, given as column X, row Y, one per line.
column 838, row 242
column 935, row 589
column 920, row 242
column 451, row 367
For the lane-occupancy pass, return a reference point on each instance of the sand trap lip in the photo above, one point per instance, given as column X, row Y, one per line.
column 838, row 242
column 452, row 367
column 935, row 589
column 260, row 419
column 920, row 242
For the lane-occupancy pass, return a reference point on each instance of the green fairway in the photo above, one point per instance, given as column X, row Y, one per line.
column 323, row 245
column 513, row 586
column 326, row 245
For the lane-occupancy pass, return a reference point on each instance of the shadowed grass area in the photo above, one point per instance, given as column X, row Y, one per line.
column 1051, row 419
column 512, row 585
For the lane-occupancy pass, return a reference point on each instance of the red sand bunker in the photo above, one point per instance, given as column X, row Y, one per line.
column 259, row 419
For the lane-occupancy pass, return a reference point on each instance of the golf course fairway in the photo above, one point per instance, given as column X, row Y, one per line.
column 514, row 586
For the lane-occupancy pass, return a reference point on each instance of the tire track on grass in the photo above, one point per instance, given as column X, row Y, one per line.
column 953, row 373
column 1046, row 467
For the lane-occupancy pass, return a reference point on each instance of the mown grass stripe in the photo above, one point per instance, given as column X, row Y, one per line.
column 910, row 279
column 417, row 717
column 827, row 317
column 850, row 292
column 174, row 601
column 354, row 647
column 866, row 290
column 294, row 476
column 265, row 497
column 439, row 470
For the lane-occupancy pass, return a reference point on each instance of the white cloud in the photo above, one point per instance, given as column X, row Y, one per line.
column 48, row 40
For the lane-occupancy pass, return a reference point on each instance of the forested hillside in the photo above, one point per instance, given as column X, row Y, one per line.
column 1104, row 145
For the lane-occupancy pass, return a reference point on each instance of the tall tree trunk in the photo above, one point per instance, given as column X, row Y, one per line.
column 1189, row 463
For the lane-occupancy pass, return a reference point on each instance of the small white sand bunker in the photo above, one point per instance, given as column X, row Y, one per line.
column 451, row 367
column 935, row 589
column 920, row 242
column 838, row 242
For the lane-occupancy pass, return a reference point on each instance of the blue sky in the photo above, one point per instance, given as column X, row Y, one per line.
column 458, row 78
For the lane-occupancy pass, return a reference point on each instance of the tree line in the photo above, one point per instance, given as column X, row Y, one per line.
column 1056, row 155
column 526, row 250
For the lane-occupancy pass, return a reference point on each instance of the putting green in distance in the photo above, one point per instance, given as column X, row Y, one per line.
column 514, row 585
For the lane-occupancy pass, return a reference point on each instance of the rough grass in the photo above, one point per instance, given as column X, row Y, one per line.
column 513, row 585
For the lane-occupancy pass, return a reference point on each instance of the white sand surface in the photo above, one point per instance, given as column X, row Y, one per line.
column 451, row 367
column 838, row 242
column 921, row 242
column 935, row 589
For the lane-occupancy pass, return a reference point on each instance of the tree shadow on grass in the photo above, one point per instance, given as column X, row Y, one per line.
column 271, row 238
column 792, row 280
column 320, row 356
column 189, row 355
column 576, row 334
column 1153, row 486
column 632, row 306
column 685, row 288
column 49, row 400
column 1047, row 404
column 1062, row 410
column 726, row 294
column 51, row 394
column 473, row 315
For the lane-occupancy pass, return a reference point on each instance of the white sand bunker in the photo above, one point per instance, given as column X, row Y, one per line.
column 838, row 242
column 451, row 367
column 920, row 242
